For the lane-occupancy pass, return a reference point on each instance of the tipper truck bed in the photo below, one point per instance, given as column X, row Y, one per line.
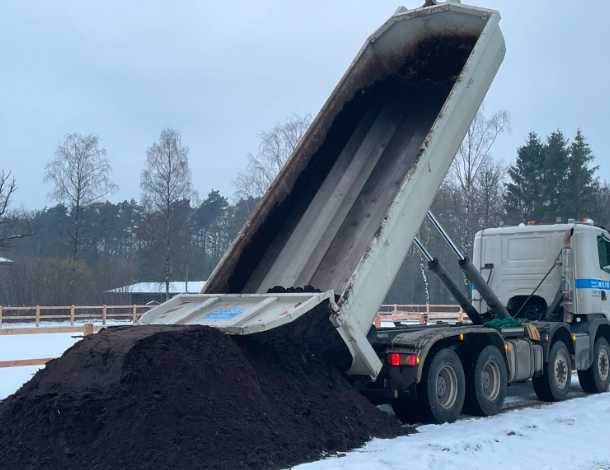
column 342, row 213
column 344, row 210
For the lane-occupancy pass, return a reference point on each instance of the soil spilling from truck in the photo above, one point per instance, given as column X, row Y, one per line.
column 192, row 397
column 185, row 397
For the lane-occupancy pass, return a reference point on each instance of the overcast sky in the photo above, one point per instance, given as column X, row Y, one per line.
column 220, row 72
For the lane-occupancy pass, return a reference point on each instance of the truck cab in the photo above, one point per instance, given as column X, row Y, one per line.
column 544, row 263
column 539, row 311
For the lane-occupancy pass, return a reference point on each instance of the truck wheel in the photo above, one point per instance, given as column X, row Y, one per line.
column 595, row 379
column 444, row 387
column 554, row 383
column 487, row 384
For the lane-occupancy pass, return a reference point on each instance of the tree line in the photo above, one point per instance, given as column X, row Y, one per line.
column 75, row 250
column 552, row 179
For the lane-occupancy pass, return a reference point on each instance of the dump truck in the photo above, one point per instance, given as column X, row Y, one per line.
column 322, row 249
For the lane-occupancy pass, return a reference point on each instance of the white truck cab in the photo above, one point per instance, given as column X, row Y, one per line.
column 545, row 261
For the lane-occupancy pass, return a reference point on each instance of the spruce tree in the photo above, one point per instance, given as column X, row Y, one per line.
column 581, row 186
column 524, row 191
column 555, row 176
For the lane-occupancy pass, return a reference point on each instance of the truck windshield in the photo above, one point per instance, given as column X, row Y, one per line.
column 603, row 249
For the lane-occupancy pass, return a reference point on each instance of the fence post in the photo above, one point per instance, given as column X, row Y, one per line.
column 1, row 315
column 72, row 314
column 104, row 312
column 134, row 313
column 37, row 315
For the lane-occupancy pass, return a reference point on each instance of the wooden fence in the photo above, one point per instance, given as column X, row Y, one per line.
column 418, row 313
column 38, row 314
column 86, row 329
column 47, row 319
column 71, row 313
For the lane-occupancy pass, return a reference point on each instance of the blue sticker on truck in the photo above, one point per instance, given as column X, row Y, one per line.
column 592, row 284
column 225, row 313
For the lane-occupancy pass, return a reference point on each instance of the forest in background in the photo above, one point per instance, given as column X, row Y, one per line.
column 82, row 245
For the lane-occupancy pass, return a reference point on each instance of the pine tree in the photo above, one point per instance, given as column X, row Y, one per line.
column 524, row 191
column 554, row 176
column 581, row 186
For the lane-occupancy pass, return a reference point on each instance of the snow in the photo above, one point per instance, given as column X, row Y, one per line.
column 14, row 377
column 193, row 287
column 29, row 347
column 527, row 435
column 572, row 434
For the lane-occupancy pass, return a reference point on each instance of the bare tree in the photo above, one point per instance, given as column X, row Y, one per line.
column 490, row 182
column 80, row 174
column 7, row 189
column 275, row 146
column 165, row 181
column 473, row 155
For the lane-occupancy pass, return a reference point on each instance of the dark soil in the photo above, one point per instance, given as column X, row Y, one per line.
column 184, row 397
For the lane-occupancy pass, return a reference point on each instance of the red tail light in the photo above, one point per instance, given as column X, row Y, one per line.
column 400, row 359
column 394, row 359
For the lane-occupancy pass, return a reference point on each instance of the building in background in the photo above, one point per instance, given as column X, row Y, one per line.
column 142, row 293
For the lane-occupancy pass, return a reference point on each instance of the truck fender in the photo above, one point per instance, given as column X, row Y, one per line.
column 426, row 342
column 550, row 332
column 590, row 327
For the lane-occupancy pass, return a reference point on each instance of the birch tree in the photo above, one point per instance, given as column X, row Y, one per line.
column 165, row 181
column 81, row 175
column 473, row 155
column 275, row 147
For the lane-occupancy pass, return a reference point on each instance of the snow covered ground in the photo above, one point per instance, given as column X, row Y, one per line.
column 36, row 346
column 527, row 436
column 568, row 435
column 29, row 347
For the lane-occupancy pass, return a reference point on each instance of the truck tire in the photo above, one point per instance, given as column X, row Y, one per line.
column 554, row 383
column 487, row 383
column 444, row 387
column 595, row 379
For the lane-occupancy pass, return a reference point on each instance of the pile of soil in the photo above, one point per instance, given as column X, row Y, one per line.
column 184, row 397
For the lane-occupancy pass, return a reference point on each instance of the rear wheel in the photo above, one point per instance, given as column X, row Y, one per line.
column 596, row 378
column 487, row 384
column 443, row 387
column 554, row 383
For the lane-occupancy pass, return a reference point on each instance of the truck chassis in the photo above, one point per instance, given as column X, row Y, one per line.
column 435, row 373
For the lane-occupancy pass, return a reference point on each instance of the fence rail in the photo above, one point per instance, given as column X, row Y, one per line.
column 85, row 330
column 12, row 316
column 71, row 313
column 418, row 313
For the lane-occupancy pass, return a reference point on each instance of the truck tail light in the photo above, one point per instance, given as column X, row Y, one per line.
column 402, row 359
column 394, row 359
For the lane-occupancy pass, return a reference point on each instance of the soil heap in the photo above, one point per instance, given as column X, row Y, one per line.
column 184, row 397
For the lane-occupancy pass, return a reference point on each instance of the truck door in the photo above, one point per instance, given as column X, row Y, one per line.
column 603, row 252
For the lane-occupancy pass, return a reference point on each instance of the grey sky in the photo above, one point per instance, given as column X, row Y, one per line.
column 220, row 72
